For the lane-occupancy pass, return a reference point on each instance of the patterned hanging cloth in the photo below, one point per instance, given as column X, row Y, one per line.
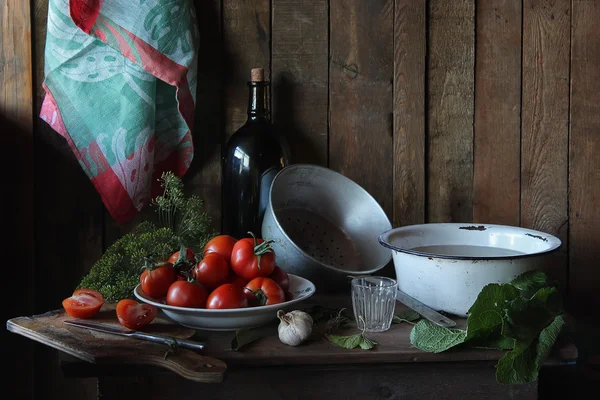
column 120, row 82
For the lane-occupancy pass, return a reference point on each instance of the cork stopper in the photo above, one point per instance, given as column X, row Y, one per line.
column 257, row 75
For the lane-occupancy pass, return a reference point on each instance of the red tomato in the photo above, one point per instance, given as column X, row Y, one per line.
column 252, row 258
column 91, row 292
column 83, row 303
column 264, row 292
column 188, row 256
column 227, row 296
column 212, row 271
column 221, row 244
column 237, row 280
column 281, row 278
column 187, row 294
column 156, row 282
column 134, row 315
column 181, row 277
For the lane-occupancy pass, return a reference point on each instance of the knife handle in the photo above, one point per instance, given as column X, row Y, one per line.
column 170, row 341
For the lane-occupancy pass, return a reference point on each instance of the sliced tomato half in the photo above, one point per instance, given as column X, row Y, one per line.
column 83, row 303
column 134, row 315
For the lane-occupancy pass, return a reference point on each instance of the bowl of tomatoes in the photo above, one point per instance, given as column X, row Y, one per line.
column 233, row 284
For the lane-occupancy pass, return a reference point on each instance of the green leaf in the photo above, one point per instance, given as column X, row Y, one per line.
column 435, row 339
column 244, row 337
column 486, row 316
column 366, row 343
column 522, row 365
column 530, row 282
column 409, row 316
column 352, row 341
column 526, row 318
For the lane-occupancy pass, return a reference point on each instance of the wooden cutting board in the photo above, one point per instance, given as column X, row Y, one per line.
column 104, row 348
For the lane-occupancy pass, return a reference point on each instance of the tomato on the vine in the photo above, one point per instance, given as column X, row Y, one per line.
column 281, row 278
column 263, row 292
column 134, row 315
column 227, row 296
column 221, row 244
column 252, row 258
column 187, row 294
column 83, row 303
column 212, row 271
column 156, row 281
column 189, row 256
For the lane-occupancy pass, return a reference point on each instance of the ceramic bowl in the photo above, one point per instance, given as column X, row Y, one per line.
column 445, row 265
column 231, row 319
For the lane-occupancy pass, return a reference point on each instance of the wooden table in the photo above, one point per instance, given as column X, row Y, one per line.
column 268, row 369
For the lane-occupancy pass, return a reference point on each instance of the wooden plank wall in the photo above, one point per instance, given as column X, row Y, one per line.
column 445, row 110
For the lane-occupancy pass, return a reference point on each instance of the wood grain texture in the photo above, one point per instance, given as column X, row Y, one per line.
column 300, row 36
column 16, row 160
column 360, row 94
column 246, row 38
column 374, row 382
column 497, row 129
column 584, row 157
column 16, row 64
column 204, row 176
column 450, row 111
column 545, row 124
column 410, row 37
column 103, row 348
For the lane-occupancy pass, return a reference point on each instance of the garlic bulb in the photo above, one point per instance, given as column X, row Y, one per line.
column 294, row 327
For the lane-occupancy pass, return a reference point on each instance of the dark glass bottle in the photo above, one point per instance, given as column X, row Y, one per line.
column 252, row 157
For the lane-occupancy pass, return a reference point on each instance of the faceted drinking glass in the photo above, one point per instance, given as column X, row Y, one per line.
column 374, row 302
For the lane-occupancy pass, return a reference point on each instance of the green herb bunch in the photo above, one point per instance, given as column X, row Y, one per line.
column 182, row 222
column 523, row 317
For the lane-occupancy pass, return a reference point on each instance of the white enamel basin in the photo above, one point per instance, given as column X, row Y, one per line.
column 445, row 265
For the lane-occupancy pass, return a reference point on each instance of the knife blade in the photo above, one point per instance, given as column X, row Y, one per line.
column 425, row 311
column 151, row 337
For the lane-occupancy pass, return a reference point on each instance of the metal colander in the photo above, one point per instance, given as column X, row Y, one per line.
column 324, row 226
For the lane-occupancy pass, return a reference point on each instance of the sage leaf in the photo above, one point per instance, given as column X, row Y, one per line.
column 435, row 339
column 409, row 316
column 486, row 317
column 352, row 341
column 366, row 343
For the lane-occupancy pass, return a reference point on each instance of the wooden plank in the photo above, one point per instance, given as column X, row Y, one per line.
column 246, row 40
column 360, row 95
column 69, row 219
column 404, row 381
column 103, row 348
column 584, row 157
column 545, row 124
column 16, row 160
column 497, row 129
column 450, row 110
column 410, row 38
column 16, row 77
column 204, row 176
column 300, row 34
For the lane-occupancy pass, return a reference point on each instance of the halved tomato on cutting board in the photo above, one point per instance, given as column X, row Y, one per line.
column 134, row 315
column 83, row 303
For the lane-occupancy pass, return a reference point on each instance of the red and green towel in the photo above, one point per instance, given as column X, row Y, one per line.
column 120, row 82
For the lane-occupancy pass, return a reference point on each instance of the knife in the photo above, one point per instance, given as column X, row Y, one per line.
column 426, row 312
column 151, row 337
